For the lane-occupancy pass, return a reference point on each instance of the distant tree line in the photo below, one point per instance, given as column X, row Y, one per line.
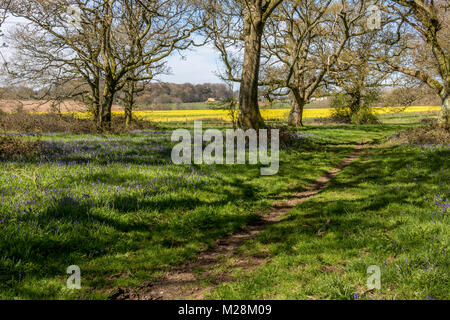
column 18, row 92
column 157, row 93
column 165, row 93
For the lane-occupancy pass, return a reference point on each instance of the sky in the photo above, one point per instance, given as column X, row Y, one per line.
column 198, row 66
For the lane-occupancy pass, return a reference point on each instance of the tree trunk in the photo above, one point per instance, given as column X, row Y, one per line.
column 445, row 113
column 249, row 114
column 129, row 103
column 92, row 100
column 106, row 107
column 128, row 116
column 296, row 115
column 96, row 106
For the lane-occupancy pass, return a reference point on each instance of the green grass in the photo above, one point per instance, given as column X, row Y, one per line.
column 114, row 206
column 383, row 212
column 407, row 118
column 117, row 207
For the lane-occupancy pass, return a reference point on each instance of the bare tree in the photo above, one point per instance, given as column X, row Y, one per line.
column 429, row 19
column 358, row 78
column 109, row 43
column 4, row 7
column 241, row 23
column 303, row 41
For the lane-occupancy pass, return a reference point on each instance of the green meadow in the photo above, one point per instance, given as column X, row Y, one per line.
column 117, row 207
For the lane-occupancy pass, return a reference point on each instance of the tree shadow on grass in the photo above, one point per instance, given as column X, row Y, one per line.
column 76, row 229
column 178, row 229
column 368, row 218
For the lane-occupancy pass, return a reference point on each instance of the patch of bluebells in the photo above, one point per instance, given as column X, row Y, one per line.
column 143, row 150
column 442, row 205
column 429, row 147
column 22, row 203
column 440, row 200
column 58, row 207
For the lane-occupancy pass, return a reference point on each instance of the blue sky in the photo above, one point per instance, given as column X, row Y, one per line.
column 198, row 66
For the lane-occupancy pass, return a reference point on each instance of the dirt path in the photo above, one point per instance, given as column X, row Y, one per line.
column 188, row 281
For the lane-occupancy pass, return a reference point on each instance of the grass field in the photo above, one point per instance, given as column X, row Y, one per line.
column 390, row 209
column 117, row 207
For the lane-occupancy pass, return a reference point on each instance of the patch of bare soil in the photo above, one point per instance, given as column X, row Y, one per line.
column 186, row 282
column 45, row 106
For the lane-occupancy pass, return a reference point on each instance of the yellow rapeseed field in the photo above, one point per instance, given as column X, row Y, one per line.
column 268, row 114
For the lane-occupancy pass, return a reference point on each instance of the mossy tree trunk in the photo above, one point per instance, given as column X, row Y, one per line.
column 430, row 23
column 445, row 113
column 249, row 115
column 105, row 116
column 129, row 102
column 256, row 14
column 298, row 104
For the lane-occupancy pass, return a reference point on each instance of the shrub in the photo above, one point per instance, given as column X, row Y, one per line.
column 341, row 111
column 364, row 116
column 14, row 148
column 347, row 109
column 433, row 134
column 57, row 123
column 404, row 97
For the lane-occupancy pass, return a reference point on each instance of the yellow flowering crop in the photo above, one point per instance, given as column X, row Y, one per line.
column 267, row 114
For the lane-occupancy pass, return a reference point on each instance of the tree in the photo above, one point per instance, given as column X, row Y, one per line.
column 359, row 79
column 242, row 23
column 51, row 50
column 113, row 42
column 430, row 21
column 303, row 41
column 4, row 7
column 256, row 14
